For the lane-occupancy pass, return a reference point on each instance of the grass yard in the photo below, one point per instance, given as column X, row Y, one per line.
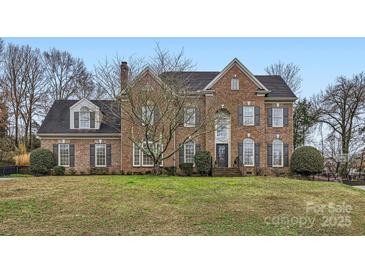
column 148, row 205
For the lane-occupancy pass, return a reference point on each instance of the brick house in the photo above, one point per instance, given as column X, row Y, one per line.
column 257, row 135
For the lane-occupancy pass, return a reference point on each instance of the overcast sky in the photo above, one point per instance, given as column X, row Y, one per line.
column 320, row 59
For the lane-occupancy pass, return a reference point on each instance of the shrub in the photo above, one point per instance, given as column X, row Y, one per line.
column 306, row 161
column 59, row 170
column 169, row 170
column 71, row 171
column 203, row 162
column 99, row 171
column 187, row 168
column 41, row 161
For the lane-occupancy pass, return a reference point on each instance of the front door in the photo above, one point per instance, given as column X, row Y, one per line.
column 222, row 155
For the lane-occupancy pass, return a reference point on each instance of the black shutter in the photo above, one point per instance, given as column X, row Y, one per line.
column 55, row 154
column 286, row 155
column 257, row 155
column 286, row 116
column 269, row 117
column 72, row 155
column 257, row 116
column 240, row 153
column 197, row 148
column 269, row 154
column 92, row 119
column 92, row 155
column 108, row 155
column 76, row 120
column 180, row 117
column 240, row 115
column 197, row 117
column 181, row 154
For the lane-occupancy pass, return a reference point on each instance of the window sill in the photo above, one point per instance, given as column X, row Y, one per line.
column 101, row 166
column 277, row 166
column 189, row 125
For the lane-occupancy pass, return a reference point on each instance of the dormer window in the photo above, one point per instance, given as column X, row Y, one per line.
column 235, row 84
column 84, row 117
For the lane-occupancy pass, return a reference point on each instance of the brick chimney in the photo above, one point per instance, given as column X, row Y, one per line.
column 124, row 70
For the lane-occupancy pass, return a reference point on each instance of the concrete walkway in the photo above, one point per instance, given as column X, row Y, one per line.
column 361, row 187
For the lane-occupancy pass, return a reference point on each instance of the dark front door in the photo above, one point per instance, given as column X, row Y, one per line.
column 222, row 155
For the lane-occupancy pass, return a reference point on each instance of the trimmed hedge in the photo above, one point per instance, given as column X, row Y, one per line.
column 203, row 162
column 41, row 161
column 59, row 170
column 307, row 160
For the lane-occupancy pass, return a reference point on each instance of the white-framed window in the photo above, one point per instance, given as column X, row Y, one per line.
column 277, row 117
column 64, row 155
column 147, row 115
column 84, row 117
column 235, row 84
column 141, row 157
column 189, row 116
column 189, row 152
column 100, row 155
column 248, row 115
column 277, row 153
column 222, row 133
column 248, row 152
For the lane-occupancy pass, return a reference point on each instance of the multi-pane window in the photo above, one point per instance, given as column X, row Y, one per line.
column 235, row 84
column 277, row 153
column 136, row 155
column 189, row 117
column 100, row 155
column 147, row 115
column 248, row 115
column 63, row 154
column 141, row 157
column 248, row 152
column 147, row 160
column 189, row 152
column 277, row 117
column 222, row 128
column 84, row 117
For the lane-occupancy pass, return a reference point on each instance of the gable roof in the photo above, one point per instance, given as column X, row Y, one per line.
column 58, row 118
column 248, row 73
column 197, row 80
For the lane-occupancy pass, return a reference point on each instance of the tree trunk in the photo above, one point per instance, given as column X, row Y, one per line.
column 156, row 169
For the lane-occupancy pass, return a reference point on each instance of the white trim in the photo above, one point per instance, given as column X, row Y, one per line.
column 253, row 115
column 238, row 84
column 282, row 153
column 235, row 61
column 96, row 155
column 140, row 151
column 83, row 135
column 186, row 124
column 88, row 120
column 194, row 144
column 253, row 150
column 282, row 117
column 59, row 154
column 92, row 108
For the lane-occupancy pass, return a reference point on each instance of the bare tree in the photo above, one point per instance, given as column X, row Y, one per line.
column 153, row 108
column 13, row 82
column 66, row 76
column 107, row 75
column 289, row 72
column 341, row 106
column 35, row 95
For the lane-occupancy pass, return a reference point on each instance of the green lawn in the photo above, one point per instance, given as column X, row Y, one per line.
column 148, row 205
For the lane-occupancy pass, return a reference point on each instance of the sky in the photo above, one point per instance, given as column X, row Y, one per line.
column 321, row 60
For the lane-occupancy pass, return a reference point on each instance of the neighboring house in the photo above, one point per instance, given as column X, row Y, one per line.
column 258, row 125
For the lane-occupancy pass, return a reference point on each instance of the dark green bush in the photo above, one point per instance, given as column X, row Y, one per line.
column 169, row 170
column 187, row 168
column 71, row 171
column 306, row 161
column 41, row 161
column 203, row 162
column 59, row 170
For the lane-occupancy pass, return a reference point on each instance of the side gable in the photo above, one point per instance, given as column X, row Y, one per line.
column 236, row 62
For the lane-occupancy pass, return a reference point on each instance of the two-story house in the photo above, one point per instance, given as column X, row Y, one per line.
column 256, row 134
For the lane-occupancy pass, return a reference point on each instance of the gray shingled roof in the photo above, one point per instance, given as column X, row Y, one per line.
column 58, row 118
column 200, row 79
